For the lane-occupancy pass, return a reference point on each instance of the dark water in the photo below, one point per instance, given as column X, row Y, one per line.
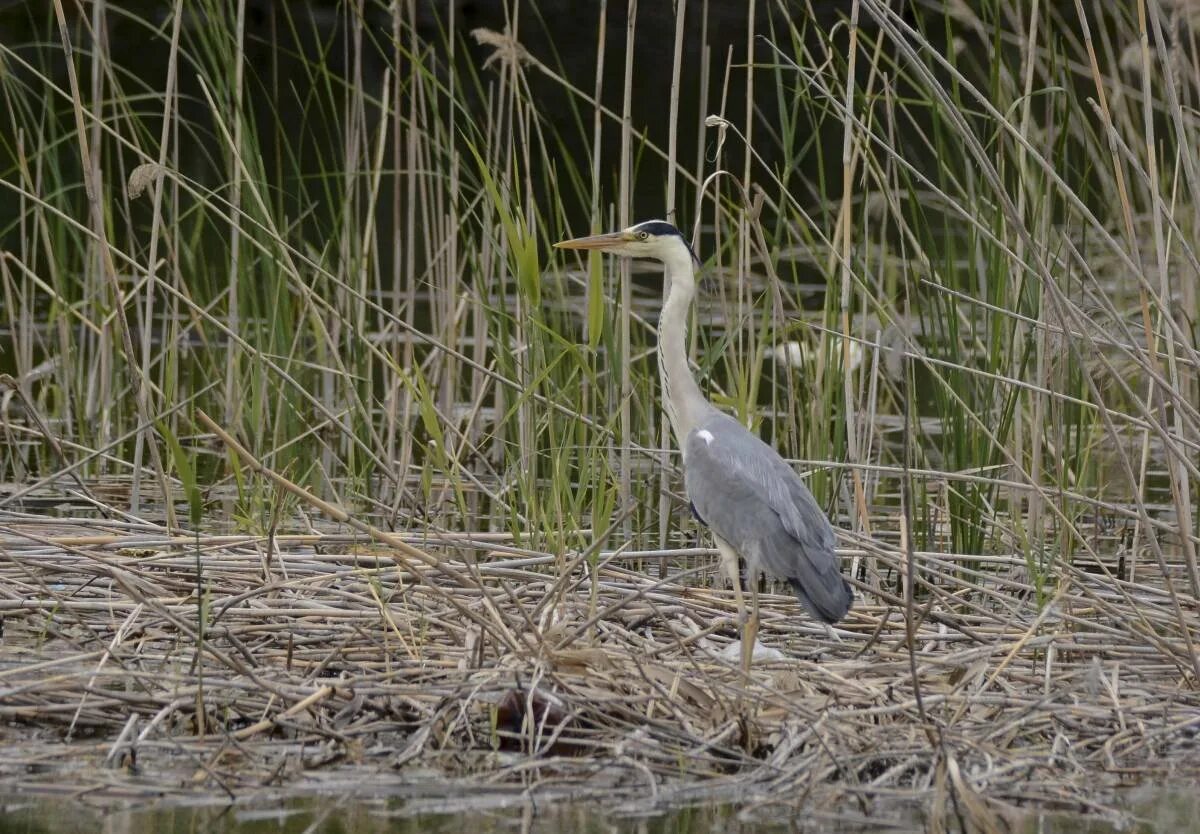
column 323, row 817
column 1148, row 809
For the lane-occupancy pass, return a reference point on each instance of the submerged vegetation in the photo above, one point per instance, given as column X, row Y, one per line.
column 304, row 435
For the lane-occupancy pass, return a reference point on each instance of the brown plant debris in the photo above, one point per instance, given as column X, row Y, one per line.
column 320, row 652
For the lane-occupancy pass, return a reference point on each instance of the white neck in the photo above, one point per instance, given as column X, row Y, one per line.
column 681, row 395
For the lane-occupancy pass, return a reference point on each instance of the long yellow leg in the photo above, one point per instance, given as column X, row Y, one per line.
column 750, row 635
column 729, row 561
column 747, row 626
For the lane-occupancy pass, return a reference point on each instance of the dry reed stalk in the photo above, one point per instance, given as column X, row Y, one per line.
column 1028, row 706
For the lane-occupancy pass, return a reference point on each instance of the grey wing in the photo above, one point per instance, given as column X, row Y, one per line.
column 752, row 499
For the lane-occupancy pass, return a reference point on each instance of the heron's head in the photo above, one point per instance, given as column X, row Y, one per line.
column 655, row 239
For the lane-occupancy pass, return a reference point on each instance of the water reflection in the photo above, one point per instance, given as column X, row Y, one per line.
column 1152, row 809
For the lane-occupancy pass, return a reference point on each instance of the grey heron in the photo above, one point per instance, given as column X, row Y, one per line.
column 756, row 506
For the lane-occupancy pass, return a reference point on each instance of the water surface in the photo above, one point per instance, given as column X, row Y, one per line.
column 1146, row 809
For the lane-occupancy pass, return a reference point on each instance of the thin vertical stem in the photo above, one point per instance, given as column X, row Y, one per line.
column 664, row 494
column 849, row 164
column 232, row 393
column 625, row 353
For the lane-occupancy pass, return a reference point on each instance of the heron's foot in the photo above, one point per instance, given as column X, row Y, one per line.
column 734, row 653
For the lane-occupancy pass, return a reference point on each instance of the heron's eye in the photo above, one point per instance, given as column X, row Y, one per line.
column 643, row 235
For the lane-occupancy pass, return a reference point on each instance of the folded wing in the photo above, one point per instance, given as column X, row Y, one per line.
column 749, row 496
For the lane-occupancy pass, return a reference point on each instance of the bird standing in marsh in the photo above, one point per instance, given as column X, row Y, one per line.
column 756, row 506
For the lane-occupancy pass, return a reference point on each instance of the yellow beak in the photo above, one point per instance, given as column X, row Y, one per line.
column 595, row 241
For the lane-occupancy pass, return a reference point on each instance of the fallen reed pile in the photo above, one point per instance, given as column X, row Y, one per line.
column 575, row 673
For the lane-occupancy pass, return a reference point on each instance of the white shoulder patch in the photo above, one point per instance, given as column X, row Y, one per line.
column 706, row 436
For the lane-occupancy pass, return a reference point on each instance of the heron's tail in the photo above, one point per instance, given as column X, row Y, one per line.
column 827, row 601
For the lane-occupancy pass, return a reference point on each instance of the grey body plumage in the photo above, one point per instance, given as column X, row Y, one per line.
column 754, row 503
column 749, row 496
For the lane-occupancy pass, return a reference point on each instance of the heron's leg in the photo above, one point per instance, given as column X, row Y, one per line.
column 729, row 561
column 750, row 632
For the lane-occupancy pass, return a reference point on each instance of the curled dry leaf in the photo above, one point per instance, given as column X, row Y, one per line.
column 143, row 176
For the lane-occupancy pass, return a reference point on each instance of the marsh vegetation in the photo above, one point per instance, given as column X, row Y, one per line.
column 313, row 456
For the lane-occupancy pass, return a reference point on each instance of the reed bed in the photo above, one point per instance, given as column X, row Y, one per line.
column 564, row 676
column 313, row 459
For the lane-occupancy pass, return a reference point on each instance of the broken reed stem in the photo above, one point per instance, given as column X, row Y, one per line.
column 406, row 555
